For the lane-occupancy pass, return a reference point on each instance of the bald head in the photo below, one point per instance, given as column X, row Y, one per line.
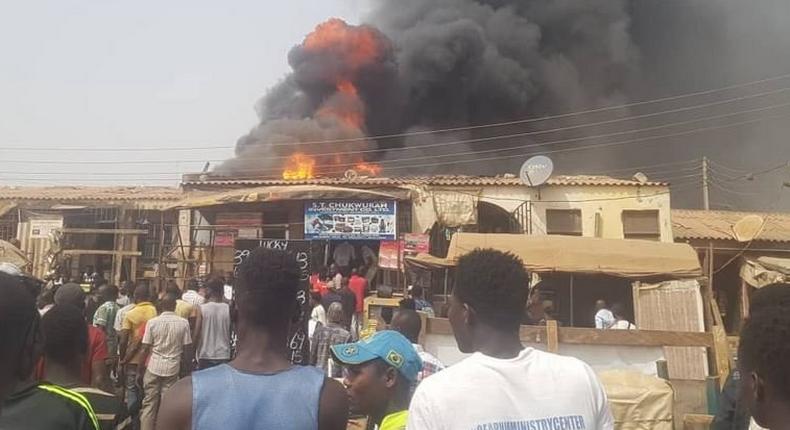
column 408, row 323
column 335, row 313
column 142, row 294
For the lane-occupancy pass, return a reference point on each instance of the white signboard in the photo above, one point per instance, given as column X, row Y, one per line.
column 40, row 228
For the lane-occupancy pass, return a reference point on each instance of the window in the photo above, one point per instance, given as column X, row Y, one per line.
column 641, row 225
column 567, row 222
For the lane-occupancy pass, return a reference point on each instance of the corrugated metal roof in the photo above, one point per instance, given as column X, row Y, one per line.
column 439, row 180
column 76, row 193
column 718, row 225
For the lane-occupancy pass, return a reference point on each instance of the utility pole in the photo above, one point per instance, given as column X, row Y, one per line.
column 712, row 314
column 705, row 185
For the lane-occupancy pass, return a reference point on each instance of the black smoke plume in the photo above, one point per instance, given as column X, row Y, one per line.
column 459, row 63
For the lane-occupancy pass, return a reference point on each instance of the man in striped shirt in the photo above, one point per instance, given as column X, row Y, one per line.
column 168, row 339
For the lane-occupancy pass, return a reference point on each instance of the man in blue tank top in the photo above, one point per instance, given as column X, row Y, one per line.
column 260, row 388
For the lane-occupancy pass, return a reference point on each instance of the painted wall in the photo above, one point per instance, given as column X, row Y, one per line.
column 608, row 201
column 640, row 359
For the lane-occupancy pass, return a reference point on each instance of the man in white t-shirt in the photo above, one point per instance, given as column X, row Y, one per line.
column 502, row 384
column 344, row 254
column 604, row 318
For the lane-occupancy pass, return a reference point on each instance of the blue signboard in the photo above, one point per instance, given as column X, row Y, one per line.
column 350, row 219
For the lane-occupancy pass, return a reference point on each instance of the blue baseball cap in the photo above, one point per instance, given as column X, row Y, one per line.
column 388, row 345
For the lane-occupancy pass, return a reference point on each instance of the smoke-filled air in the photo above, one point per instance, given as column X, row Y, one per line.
column 416, row 87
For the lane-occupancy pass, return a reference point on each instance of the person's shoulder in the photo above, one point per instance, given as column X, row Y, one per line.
column 439, row 382
column 333, row 405
column 57, row 401
column 176, row 409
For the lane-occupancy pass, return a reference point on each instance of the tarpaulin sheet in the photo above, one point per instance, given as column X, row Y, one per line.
column 545, row 254
column 764, row 271
column 286, row 192
column 638, row 401
column 454, row 209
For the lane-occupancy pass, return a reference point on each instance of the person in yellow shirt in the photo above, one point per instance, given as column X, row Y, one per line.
column 378, row 374
column 184, row 309
column 131, row 351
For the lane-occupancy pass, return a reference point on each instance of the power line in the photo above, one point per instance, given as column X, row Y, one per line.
column 651, row 166
column 724, row 167
column 466, row 128
column 727, row 190
column 596, row 146
column 573, row 149
column 533, row 145
column 752, row 175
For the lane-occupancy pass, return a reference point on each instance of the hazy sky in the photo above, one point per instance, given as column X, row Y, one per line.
column 120, row 74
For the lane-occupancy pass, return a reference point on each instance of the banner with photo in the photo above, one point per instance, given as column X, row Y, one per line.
column 350, row 219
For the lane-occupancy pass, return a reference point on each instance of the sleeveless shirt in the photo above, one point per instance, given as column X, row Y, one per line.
column 229, row 399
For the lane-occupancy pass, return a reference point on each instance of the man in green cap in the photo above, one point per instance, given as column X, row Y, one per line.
column 378, row 374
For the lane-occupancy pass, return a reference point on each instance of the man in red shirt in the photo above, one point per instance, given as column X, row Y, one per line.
column 359, row 286
column 94, row 367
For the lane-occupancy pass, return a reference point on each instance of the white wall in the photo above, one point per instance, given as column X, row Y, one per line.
column 641, row 359
column 608, row 201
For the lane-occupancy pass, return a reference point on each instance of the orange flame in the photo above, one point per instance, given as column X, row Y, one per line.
column 355, row 47
column 359, row 45
column 368, row 169
column 348, row 109
column 299, row 166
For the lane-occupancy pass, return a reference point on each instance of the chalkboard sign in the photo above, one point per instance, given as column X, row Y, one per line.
column 298, row 341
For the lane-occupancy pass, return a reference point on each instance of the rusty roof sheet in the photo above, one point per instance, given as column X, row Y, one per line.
column 718, row 225
column 437, row 180
column 80, row 193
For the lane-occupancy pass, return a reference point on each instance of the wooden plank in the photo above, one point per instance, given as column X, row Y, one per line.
column 721, row 352
column 120, row 231
column 133, row 261
column 583, row 336
column 586, row 336
column 423, row 327
column 101, row 252
column 552, row 337
column 434, row 325
column 745, row 303
column 706, row 288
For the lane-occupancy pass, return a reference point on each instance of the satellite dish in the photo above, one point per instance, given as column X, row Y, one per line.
column 640, row 177
column 748, row 228
column 536, row 171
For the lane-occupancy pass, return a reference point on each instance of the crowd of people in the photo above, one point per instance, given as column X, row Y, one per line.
column 55, row 376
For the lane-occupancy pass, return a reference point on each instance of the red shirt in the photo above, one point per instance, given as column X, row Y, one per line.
column 318, row 285
column 97, row 351
column 358, row 285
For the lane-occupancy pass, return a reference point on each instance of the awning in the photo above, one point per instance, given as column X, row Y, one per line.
column 6, row 207
column 11, row 254
column 546, row 254
column 287, row 192
column 764, row 271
